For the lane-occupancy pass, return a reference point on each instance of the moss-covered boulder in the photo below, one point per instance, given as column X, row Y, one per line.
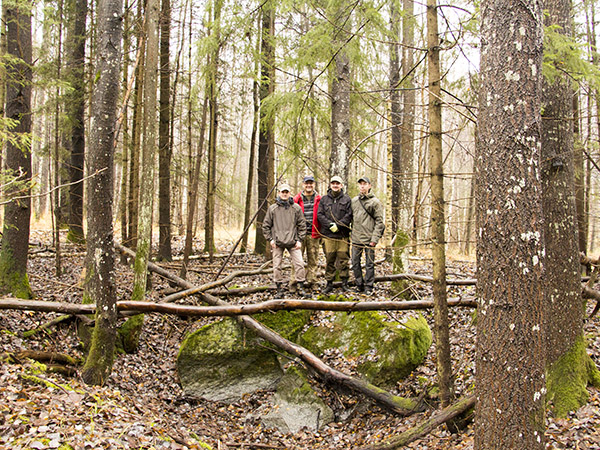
column 384, row 352
column 222, row 361
column 296, row 405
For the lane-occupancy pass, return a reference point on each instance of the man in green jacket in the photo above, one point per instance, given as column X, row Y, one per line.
column 367, row 229
column 284, row 227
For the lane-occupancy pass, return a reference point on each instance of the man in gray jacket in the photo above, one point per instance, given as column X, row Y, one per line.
column 367, row 229
column 284, row 227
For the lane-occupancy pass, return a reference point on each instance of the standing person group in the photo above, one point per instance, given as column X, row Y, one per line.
column 298, row 225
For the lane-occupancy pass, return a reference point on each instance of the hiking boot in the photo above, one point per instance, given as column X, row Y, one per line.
column 360, row 287
column 328, row 288
column 279, row 291
column 345, row 287
column 368, row 290
column 301, row 292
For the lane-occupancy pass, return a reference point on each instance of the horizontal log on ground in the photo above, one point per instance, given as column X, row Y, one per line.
column 226, row 310
column 426, row 427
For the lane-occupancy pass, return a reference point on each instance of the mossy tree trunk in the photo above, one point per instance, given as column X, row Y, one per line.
column 100, row 285
column 17, row 213
column 567, row 360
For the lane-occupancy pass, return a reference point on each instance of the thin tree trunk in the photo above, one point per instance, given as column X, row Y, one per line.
column 265, row 168
column 438, row 220
column 58, row 219
column 77, row 10
column 252, row 157
column 100, row 284
column 126, row 149
column 164, row 149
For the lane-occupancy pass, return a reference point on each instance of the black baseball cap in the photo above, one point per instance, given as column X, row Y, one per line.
column 365, row 179
column 308, row 178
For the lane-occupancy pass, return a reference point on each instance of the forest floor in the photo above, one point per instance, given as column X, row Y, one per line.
column 141, row 405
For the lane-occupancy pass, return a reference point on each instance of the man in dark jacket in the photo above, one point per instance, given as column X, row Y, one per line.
column 284, row 227
column 335, row 216
column 308, row 200
column 367, row 229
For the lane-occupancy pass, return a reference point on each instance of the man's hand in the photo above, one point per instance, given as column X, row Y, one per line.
column 333, row 227
column 273, row 244
column 372, row 244
column 298, row 245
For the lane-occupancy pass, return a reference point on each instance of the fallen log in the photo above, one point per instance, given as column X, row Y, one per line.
column 382, row 397
column 214, row 284
column 226, row 309
column 426, row 427
column 49, row 324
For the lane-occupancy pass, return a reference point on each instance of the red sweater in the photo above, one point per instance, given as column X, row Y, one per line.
column 315, row 223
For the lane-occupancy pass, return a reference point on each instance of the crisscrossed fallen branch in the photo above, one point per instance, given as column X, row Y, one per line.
column 382, row 397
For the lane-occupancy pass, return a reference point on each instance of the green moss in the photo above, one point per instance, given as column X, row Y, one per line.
column 129, row 333
column 75, row 237
column 66, row 447
column 11, row 280
column 593, row 373
column 287, row 323
column 567, row 380
column 385, row 351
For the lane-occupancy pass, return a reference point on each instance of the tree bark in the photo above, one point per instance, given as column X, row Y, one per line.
column 75, row 104
column 438, row 220
column 17, row 213
column 510, row 361
column 562, row 187
column 164, row 147
column 213, row 120
column 340, row 96
column 266, row 143
column 100, row 285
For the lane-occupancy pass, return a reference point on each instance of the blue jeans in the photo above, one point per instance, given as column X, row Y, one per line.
column 369, row 278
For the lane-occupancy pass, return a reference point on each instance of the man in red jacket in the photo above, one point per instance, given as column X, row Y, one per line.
column 309, row 200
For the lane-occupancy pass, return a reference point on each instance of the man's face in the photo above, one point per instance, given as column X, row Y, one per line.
column 336, row 186
column 284, row 195
column 309, row 187
column 364, row 187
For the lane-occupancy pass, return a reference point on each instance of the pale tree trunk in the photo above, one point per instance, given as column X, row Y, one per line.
column 510, row 361
column 566, row 356
column 147, row 171
column 408, row 116
column 438, row 220
column 164, row 148
column 266, row 141
column 134, row 165
column 17, row 213
column 75, row 104
column 252, row 157
column 211, row 181
column 59, row 192
column 100, row 278
column 340, row 98
column 579, row 174
column 126, row 139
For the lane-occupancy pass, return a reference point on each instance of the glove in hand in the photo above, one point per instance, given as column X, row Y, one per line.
column 333, row 227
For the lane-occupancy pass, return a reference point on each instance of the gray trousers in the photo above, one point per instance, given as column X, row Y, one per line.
column 297, row 264
column 369, row 277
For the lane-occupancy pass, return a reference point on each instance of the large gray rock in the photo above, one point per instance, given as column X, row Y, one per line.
column 223, row 361
column 296, row 405
column 216, row 363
